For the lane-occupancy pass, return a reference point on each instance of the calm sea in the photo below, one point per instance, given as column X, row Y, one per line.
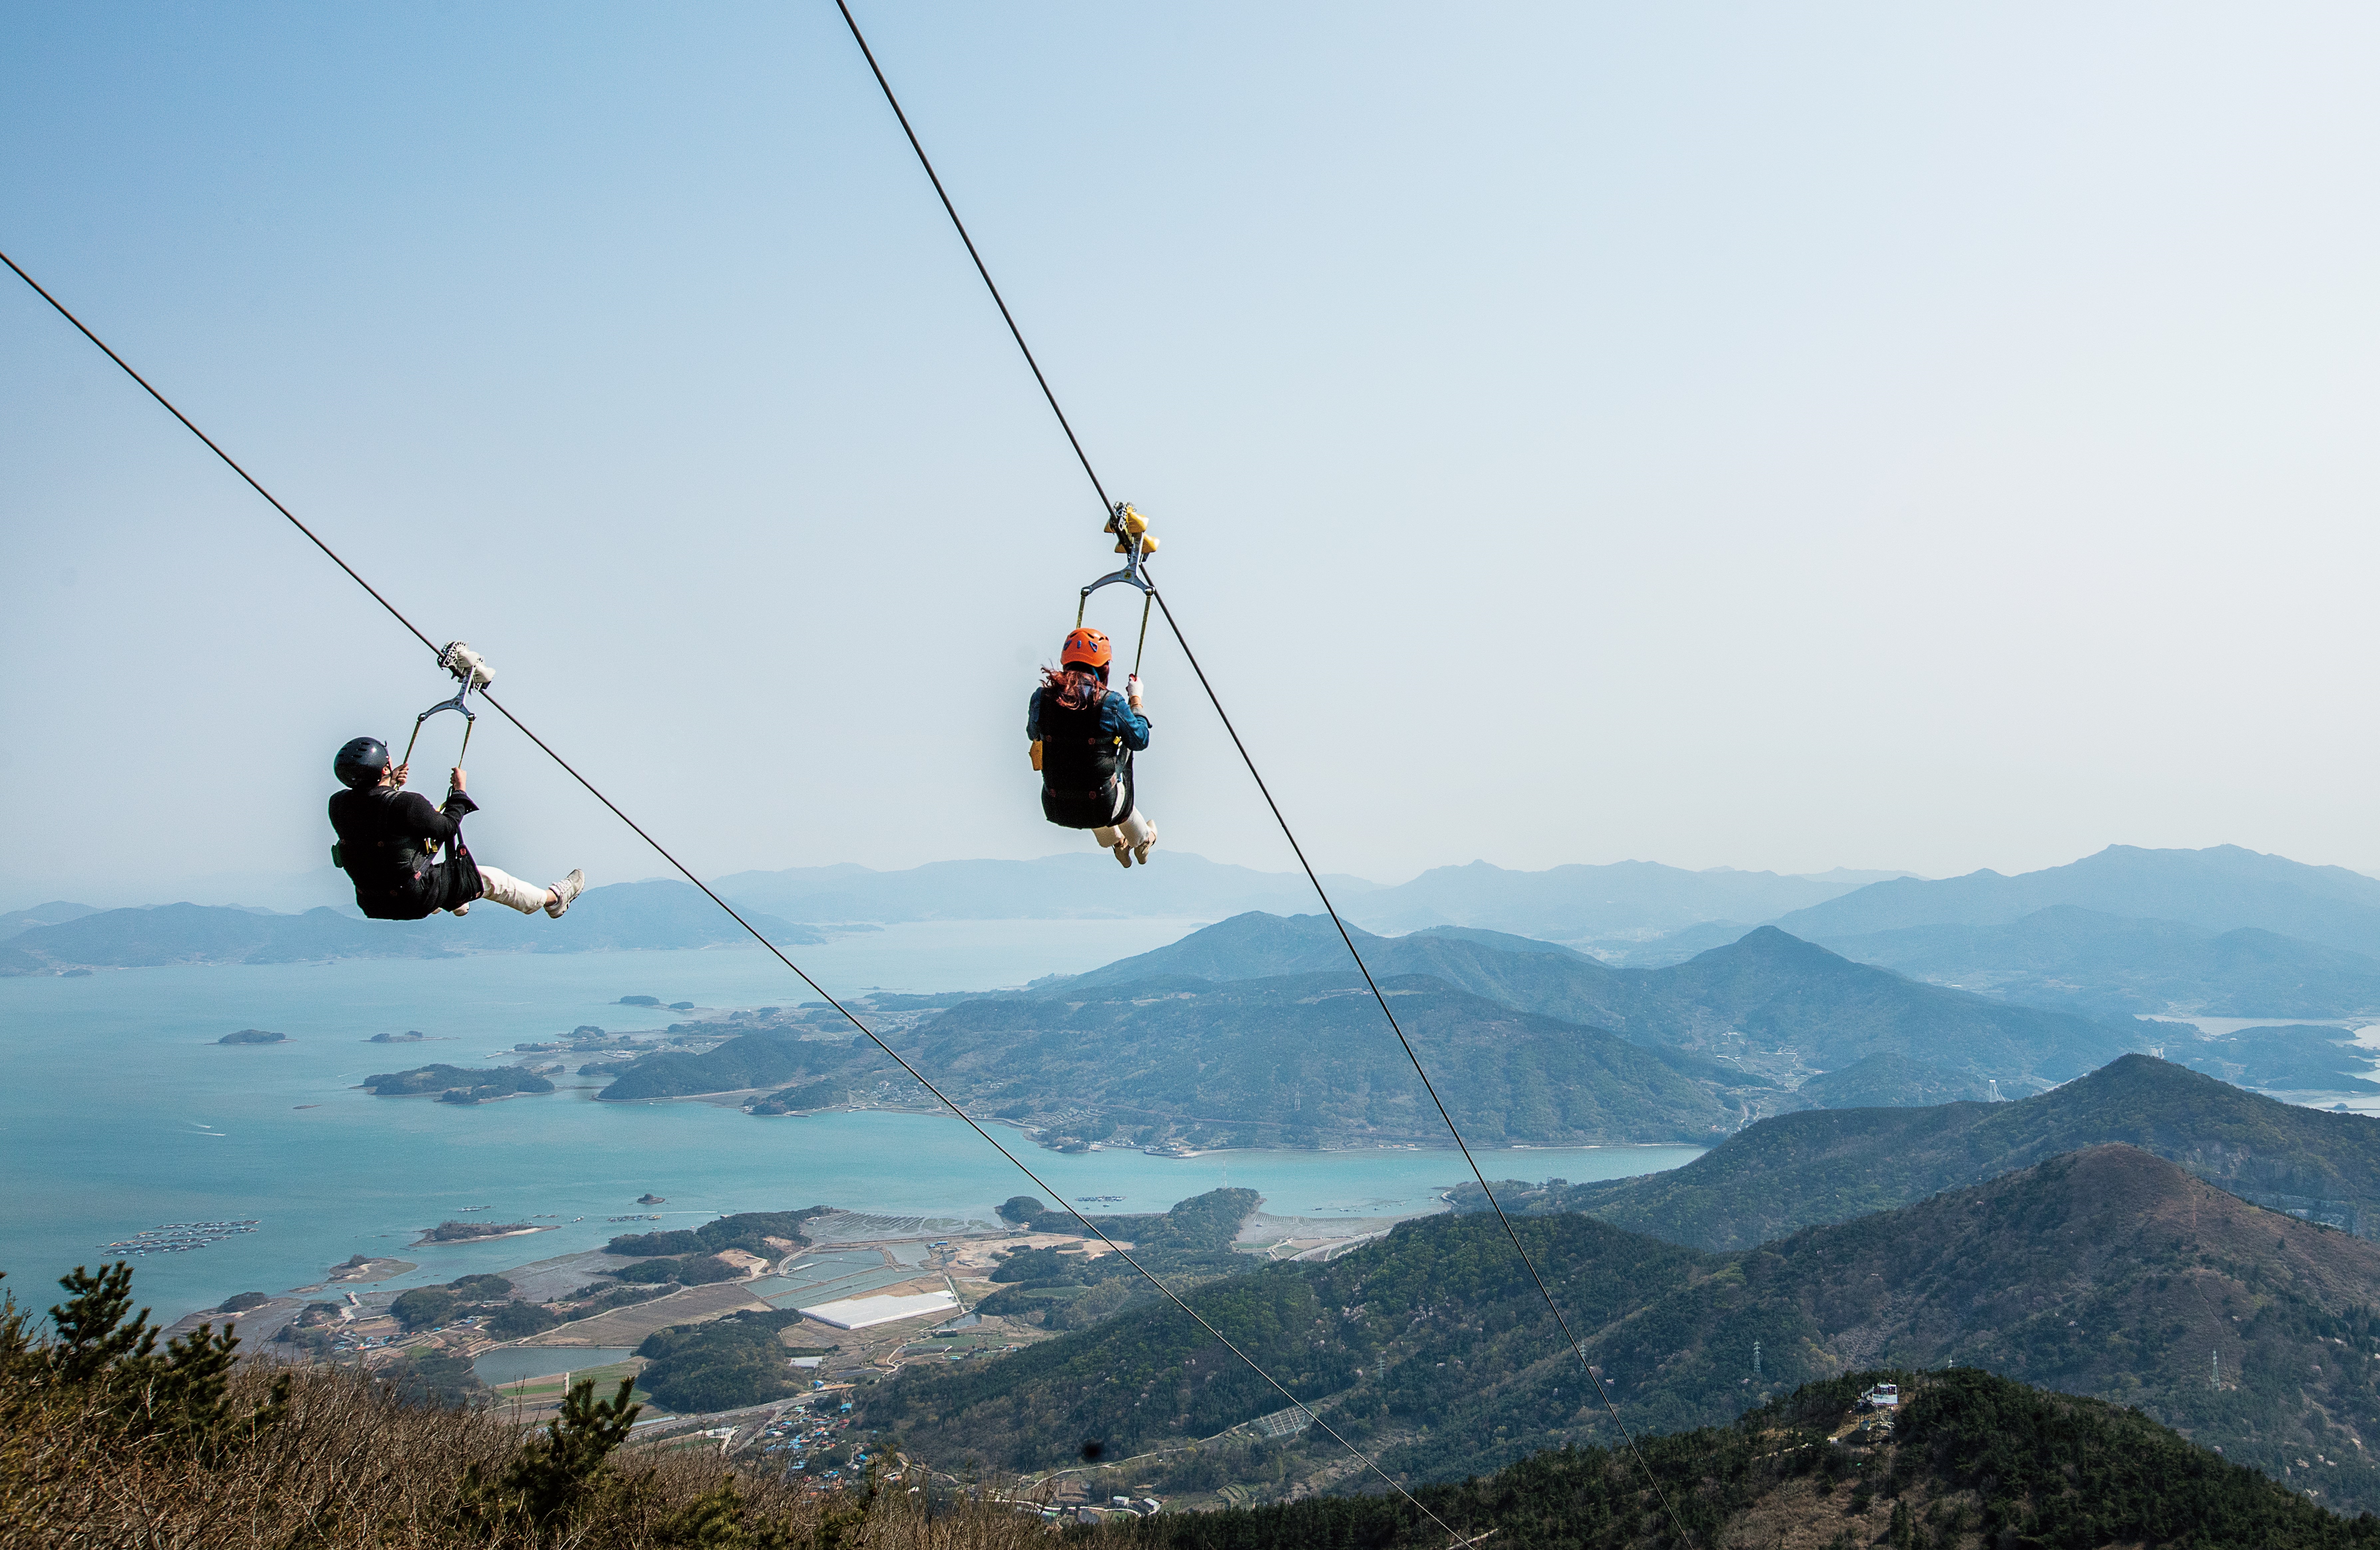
column 121, row 1114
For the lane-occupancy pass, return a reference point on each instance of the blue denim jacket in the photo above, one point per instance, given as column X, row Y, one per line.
column 1117, row 719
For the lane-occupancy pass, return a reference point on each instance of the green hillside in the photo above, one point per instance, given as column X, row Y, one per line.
column 1891, row 1082
column 1969, row 1459
column 1800, row 1169
column 2109, row 1273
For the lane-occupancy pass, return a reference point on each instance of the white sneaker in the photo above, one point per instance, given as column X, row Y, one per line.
column 565, row 891
column 1122, row 854
column 1140, row 852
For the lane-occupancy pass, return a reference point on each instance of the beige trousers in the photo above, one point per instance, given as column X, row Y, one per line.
column 1132, row 831
column 510, row 891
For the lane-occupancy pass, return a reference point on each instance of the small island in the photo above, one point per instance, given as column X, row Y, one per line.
column 253, row 1036
column 455, row 1085
column 410, row 1036
column 640, row 1001
column 472, row 1232
column 366, row 1267
column 652, row 1199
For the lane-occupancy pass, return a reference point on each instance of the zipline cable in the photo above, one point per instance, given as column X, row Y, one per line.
column 229, row 462
column 1107, row 509
column 681, row 868
column 953, row 210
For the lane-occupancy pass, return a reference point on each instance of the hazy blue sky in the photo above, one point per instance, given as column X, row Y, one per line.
column 1786, row 437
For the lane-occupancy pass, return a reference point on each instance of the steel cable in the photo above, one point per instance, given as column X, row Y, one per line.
column 592, row 790
column 1107, row 510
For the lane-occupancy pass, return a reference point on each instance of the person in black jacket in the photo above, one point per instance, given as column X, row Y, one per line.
column 1083, row 735
column 389, row 841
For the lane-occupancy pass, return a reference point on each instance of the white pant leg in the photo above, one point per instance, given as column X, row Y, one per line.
column 510, row 891
column 1109, row 837
column 1134, row 829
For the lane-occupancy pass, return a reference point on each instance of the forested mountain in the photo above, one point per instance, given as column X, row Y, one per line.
column 2107, row 1272
column 1892, row 1081
column 1784, row 1174
column 1307, row 1059
column 2218, row 889
column 2106, row 965
column 1967, row 1459
column 1771, row 988
column 1529, row 1042
column 1743, row 1002
column 654, row 914
column 1299, row 1060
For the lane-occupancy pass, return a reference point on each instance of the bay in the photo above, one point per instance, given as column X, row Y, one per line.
column 122, row 1114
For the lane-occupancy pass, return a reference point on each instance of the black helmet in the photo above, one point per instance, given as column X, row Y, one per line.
column 359, row 763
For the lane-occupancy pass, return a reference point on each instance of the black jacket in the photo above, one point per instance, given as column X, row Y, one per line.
column 385, row 843
column 1086, row 758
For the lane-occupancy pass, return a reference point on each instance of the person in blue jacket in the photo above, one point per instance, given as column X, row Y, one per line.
column 1084, row 734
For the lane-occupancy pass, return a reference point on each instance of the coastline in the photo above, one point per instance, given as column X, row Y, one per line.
column 522, row 1231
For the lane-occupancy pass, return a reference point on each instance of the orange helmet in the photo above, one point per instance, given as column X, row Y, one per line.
column 1086, row 646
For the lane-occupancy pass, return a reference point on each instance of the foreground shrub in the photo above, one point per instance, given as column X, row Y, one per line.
column 107, row 1441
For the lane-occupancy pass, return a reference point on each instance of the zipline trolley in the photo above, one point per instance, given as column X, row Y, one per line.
column 1136, row 544
column 471, row 671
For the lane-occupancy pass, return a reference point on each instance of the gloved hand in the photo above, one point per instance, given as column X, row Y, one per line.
column 1133, row 687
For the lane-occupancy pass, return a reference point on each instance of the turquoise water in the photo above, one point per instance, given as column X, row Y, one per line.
column 120, row 1113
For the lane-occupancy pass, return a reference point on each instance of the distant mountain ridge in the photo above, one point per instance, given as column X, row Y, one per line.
column 1077, row 885
column 2103, row 965
column 1564, row 903
column 1580, row 903
column 654, row 914
column 2220, row 888
column 55, row 912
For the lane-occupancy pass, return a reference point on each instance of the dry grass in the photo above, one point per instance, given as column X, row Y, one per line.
column 352, row 1466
